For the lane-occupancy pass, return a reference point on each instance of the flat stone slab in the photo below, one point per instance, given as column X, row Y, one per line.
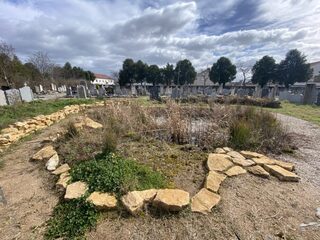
column 281, row 173
column 75, row 190
column 103, row 201
column 204, row 201
column 235, row 171
column 214, row 180
column 249, row 154
column 227, row 149
column 87, row 122
column 263, row 161
column 171, row 199
column 258, row 171
column 63, row 180
column 219, row 162
column 52, row 163
column 219, row 151
column 286, row 165
column 134, row 201
column 62, row 169
column 44, row 154
column 235, row 154
column 243, row 162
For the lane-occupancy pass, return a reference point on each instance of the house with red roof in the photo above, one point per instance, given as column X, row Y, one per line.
column 103, row 80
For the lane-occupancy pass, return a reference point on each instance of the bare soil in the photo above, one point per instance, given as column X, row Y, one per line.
column 251, row 207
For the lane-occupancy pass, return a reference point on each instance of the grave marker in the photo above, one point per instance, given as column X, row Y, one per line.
column 26, row 94
column 3, row 100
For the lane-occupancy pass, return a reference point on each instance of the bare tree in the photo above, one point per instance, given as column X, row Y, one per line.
column 115, row 75
column 244, row 68
column 6, row 56
column 43, row 63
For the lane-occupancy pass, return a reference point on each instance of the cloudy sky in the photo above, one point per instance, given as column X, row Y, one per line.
column 99, row 34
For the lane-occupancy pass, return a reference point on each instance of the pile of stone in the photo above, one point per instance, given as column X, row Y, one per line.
column 228, row 163
column 19, row 130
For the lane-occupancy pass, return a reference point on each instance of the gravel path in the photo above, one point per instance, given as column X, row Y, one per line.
column 306, row 136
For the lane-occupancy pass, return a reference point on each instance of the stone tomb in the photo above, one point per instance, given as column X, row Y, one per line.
column 3, row 100
column 82, row 93
column 13, row 96
column 26, row 94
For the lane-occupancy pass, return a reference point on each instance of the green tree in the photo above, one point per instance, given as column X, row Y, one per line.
column 294, row 68
column 168, row 74
column 222, row 71
column 90, row 76
column 184, row 73
column 140, row 71
column 126, row 74
column 264, row 71
column 67, row 70
column 154, row 75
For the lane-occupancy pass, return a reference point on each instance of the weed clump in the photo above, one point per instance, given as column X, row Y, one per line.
column 110, row 173
column 71, row 219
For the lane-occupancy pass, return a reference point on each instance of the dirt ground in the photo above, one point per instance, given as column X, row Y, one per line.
column 251, row 207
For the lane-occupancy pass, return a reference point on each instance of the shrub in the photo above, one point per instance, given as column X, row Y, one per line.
column 240, row 135
column 71, row 219
column 110, row 141
column 110, row 173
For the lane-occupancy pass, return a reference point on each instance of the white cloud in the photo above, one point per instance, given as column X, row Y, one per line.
column 100, row 34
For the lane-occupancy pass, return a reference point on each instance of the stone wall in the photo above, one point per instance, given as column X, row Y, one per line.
column 18, row 130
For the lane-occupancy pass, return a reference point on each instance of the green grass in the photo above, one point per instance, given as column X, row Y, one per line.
column 19, row 112
column 110, row 173
column 71, row 220
column 309, row 113
column 107, row 173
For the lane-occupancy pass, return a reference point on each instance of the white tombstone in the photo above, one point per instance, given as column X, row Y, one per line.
column 41, row 88
column 26, row 94
column 3, row 100
column 13, row 96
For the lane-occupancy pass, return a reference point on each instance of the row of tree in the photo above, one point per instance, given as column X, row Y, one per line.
column 38, row 69
column 140, row 72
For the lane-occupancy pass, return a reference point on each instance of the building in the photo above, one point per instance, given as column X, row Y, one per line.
column 316, row 71
column 103, row 80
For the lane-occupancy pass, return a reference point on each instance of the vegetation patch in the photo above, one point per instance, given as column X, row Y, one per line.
column 19, row 112
column 110, row 173
column 71, row 219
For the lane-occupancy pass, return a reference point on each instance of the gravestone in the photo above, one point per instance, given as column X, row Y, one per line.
column 318, row 99
column 69, row 92
column 133, row 90
column 310, row 93
column 154, row 93
column 13, row 96
column 102, row 92
column 233, row 92
column 241, row 92
column 175, row 93
column 258, row 91
column 117, row 90
column 82, row 93
column 41, row 88
column 168, row 91
column 37, row 89
column 226, row 92
column 265, row 93
column 3, row 100
column 26, row 94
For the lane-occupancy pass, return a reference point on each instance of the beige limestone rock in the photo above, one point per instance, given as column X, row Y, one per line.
column 219, row 151
column 235, row 154
column 219, row 162
column 52, row 163
column 249, row 154
column 263, row 160
column 204, row 201
column 62, row 169
column 63, row 180
column 235, row 171
column 243, row 162
column 281, row 173
column 44, row 154
column 103, row 201
column 134, row 201
column 75, row 190
column 171, row 199
column 258, row 171
column 227, row 149
column 286, row 165
column 214, row 180
column 87, row 122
